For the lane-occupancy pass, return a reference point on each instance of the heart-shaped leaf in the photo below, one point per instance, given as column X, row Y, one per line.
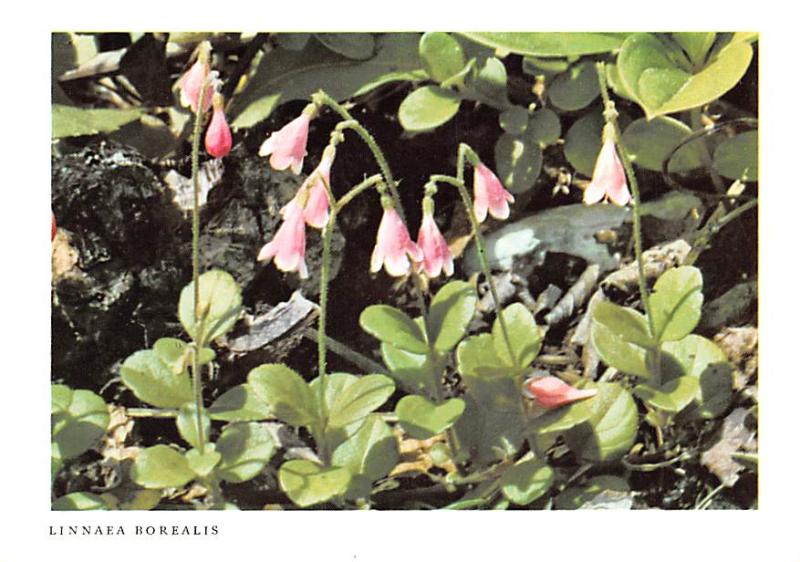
column 673, row 396
column 220, row 302
column 618, row 353
column 79, row 501
column 428, row 107
column 240, row 403
column 393, row 326
column 524, row 336
column 527, row 481
column 307, row 483
column 79, row 419
column 355, row 401
column 450, row 313
column 203, row 463
column 245, row 449
column 371, row 451
column 285, row 392
column 441, row 54
column 623, row 322
column 187, row 423
column 649, row 142
column 413, row 372
column 153, row 382
column 676, row 303
column 519, row 161
column 356, row 46
column 422, row 419
column 737, row 157
column 576, row 88
column 550, row 44
column 161, row 467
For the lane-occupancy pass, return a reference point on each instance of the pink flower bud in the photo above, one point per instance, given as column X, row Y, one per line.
column 490, row 195
column 218, row 135
column 608, row 178
column 287, row 147
column 288, row 246
column 436, row 253
column 552, row 392
column 394, row 246
column 192, row 82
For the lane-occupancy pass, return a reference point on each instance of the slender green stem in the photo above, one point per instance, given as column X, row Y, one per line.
column 354, row 192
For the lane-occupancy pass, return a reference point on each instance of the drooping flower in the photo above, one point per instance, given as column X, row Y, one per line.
column 288, row 246
column 436, row 253
column 191, row 83
column 552, row 392
column 393, row 245
column 317, row 203
column 490, row 195
column 218, row 135
column 287, row 147
column 608, row 177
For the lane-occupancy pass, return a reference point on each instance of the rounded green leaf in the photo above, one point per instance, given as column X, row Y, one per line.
column 220, row 304
column 676, row 303
column 450, row 313
column 413, row 372
column 240, row 403
column 441, row 55
column 372, row 451
column 285, row 393
column 357, row 400
column 307, row 483
column 527, row 481
column 161, row 467
column 79, row 419
column 545, row 127
column 187, row 423
column 673, row 396
column 79, row 501
column 428, row 107
column 582, row 142
column 576, row 88
column 491, row 84
column 176, row 354
column 550, row 44
column 623, row 322
column 519, row 161
column 561, row 419
column 649, row 142
column 393, row 326
column 618, row 353
column 737, row 157
column 476, row 357
column 514, row 120
column 203, row 463
column 423, row 419
column 152, row 381
column 356, row 46
column 525, row 337
column 611, row 428
column 245, row 448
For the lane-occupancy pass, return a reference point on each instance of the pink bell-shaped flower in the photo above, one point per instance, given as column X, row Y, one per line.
column 393, row 245
column 191, row 83
column 218, row 135
column 316, row 207
column 287, row 147
column 436, row 253
column 608, row 177
column 490, row 195
column 288, row 246
column 552, row 392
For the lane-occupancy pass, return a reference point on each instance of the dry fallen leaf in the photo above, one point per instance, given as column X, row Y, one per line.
column 736, row 436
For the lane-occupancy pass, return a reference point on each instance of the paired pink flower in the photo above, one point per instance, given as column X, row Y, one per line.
column 287, row 147
column 552, row 392
column 436, row 253
column 218, row 135
column 191, row 83
column 608, row 178
column 393, row 246
column 316, row 199
column 490, row 195
column 288, row 246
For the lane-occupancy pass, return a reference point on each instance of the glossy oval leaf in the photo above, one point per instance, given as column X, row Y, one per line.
column 240, row 403
column 519, row 161
column 527, row 481
column 372, row 451
column 576, row 88
column 582, row 142
column 618, row 353
column 153, row 382
column 413, row 372
column 524, row 336
column 441, row 54
column 450, row 313
column 245, row 448
column 550, row 44
column 422, row 419
column 357, row 400
column 676, row 303
column 393, row 326
column 649, row 142
column 79, row 419
column 220, row 304
column 187, row 423
column 161, row 467
column 426, row 108
column 623, row 322
column 285, row 392
column 307, row 483
column 673, row 396
column 737, row 157
column 545, row 127
column 356, row 46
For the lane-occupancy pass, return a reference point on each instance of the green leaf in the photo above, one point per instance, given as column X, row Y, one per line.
column 309, row 484
column 527, row 481
column 79, row 419
column 422, row 419
column 649, row 142
column 187, row 423
column 673, row 396
column 177, row 355
column 524, row 335
column 428, row 107
column 576, row 496
column 545, row 127
column 220, row 303
column 559, row 420
column 676, row 303
column 615, row 82
column 519, row 161
column 441, row 54
column 576, row 88
column 153, row 382
column 202, row 464
column 582, row 142
column 514, row 120
column 476, row 357
column 696, row 44
column 357, row 46
column 79, row 501
column 701, row 358
column 413, row 372
column 246, row 448
column 284, row 75
column 490, row 84
column 393, row 326
column 357, row 400
column 371, row 451
column 451, row 311
column 240, row 403
column 618, row 353
column 547, row 67
column 611, row 428
column 161, row 467
column 69, row 121
column 285, row 393
column 623, row 322
column 550, row 44
column 737, row 157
